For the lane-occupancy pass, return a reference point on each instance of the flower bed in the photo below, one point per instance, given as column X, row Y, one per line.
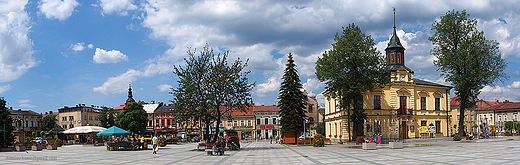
column 37, row 147
column 20, row 148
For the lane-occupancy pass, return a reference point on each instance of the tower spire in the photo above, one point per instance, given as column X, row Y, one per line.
column 130, row 96
column 394, row 17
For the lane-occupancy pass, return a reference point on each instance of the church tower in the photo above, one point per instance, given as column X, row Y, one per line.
column 394, row 50
column 130, row 97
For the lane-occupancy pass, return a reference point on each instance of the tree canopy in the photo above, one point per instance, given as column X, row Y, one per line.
column 210, row 88
column 292, row 100
column 133, row 118
column 49, row 121
column 353, row 66
column 106, row 117
column 465, row 57
column 7, row 121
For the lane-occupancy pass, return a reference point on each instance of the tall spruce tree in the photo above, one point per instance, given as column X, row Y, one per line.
column 353, row 66
column 465, row 58
column 292, row 100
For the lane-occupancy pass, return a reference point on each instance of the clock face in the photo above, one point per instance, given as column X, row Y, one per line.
column 402, row 77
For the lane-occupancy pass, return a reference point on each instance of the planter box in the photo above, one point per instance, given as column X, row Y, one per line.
column 369, row 146
column 395, row 145
column 37, row 148
column 52, row 147
column 20, row 148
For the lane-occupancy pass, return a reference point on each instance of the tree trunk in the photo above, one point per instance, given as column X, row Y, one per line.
column 461, row 117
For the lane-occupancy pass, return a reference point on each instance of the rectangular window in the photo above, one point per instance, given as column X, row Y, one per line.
column 359, row 104
column 423, row 123
column 242, row 123
column 274, row 120
column 257, row 121
column 229, row 123
column 437, row 126
column 377, row 102
column 64, row 127
column 310, row 108
column 450, row 119
column 402, row 108
column 71, row 118
column 437, row 103
column 266, row 121
column 85, row 118
column 64, row 118
column 248, row 122
column 167, row 122
column 90, row 117
column 423, row 103
column 471, row 118
column 465, row 117
column 235, row 123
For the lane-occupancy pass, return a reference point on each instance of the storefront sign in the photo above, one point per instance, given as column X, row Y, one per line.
column 267, row 127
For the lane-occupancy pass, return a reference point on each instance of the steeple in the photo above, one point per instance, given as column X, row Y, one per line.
column 130, row 97
column 395, row 50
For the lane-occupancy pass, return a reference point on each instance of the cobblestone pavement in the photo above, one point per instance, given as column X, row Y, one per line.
column 443, row 152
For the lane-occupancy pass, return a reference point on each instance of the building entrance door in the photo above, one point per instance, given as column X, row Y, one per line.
column 403, row 130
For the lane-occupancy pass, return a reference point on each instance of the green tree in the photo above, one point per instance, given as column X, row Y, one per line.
column 351, row 67
column 6, row 124
column 510, row 125
column 106, row 117
column 49, row 121
column 209, row 88
column 465, row 58
column 292, row 100
column 133, row 118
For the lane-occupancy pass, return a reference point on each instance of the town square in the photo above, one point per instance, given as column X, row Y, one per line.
column 259, row 82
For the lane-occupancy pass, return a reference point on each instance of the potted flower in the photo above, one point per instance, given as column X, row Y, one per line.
column 20, row 147
column 395, row 144
column 369, row 145
column 37, row 147
column 52, row 146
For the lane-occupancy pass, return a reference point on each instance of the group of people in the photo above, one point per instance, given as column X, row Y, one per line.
column 276, row 139
column 373, row 139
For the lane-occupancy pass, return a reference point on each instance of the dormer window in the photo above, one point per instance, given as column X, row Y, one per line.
column 402, row 77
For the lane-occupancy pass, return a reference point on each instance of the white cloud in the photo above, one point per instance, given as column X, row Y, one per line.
column 90, row 46
column 508, row 92
column 5, row 88
column 120, row 7
column 80, row 46
column 164, row 87
column 16, row 54
column 312, row 85
column 24, row 103
column 57, row 9
column 271, row 86
column 113, row 56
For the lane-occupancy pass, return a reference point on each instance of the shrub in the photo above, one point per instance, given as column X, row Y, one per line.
column 317, row 141
column 162, row 141
column 28, row 140
column 235, row 140
column 58, row 142
column 457, row 138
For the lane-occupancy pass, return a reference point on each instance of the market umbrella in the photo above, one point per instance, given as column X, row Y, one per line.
column 84, row 129
column 114, row 131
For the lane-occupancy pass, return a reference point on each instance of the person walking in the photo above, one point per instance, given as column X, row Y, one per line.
column 276, row 138
column 271, row 137
column 154, row 142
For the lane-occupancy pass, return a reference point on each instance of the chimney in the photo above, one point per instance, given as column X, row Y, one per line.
column 507, row 101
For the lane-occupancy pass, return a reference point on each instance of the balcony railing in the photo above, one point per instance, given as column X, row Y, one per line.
column 404, row 111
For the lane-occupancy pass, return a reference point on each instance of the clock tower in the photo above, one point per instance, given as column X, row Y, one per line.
column 395, row 59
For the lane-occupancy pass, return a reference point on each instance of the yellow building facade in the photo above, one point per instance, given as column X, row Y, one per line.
column 405, row 108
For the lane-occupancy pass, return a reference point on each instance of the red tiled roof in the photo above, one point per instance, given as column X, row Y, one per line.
column 54, row 113
column 454, row 101
column 267, row 108
column 504, row 106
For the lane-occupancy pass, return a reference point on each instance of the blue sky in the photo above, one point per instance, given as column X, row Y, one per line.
column 61, row 53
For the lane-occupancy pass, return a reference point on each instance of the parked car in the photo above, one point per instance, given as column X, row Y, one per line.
column 171, row 140
column 38, row 140
column 195, row 139
column 306, row 136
